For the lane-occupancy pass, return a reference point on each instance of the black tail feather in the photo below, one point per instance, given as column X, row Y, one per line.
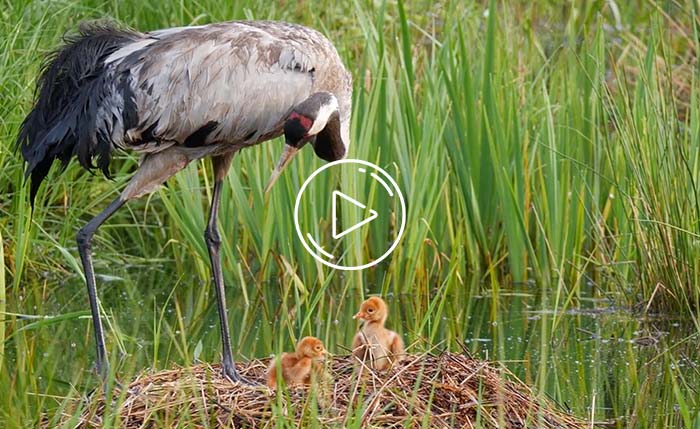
column 74, row 82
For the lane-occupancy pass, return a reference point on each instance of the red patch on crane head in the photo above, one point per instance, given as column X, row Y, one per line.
column 303, row 120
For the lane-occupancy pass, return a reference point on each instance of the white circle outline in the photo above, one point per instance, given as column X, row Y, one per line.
column 301, row 235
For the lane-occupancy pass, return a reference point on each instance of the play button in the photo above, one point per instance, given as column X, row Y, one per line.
column 350, row 214
column 337, row 198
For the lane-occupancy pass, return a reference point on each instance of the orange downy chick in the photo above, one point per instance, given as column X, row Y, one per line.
column 297, row 366
column 374, row 343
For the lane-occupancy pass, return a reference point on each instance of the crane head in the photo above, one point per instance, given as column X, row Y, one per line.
column 314, row 120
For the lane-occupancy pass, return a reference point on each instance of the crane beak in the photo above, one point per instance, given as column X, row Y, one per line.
column 287, row 155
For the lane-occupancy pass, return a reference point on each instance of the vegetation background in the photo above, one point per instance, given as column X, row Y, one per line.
column 550, row 157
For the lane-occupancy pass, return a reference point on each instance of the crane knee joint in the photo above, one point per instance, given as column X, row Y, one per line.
column 212, row 237
column 83, row 237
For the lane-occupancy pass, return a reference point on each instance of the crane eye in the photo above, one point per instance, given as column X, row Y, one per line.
column 318, row 348
column 370, row 310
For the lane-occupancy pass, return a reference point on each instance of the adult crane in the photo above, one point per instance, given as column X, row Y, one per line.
column 177, row 95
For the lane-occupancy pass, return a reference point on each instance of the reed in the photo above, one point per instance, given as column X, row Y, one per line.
column 550, row 161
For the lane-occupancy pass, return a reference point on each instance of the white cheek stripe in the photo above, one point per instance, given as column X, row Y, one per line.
column 324, row 113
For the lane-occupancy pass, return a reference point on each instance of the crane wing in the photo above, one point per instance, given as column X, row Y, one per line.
column 231, row 82
column 396, row 347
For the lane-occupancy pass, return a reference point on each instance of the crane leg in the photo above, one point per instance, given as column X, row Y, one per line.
column 154, row 170
column 211, row 235
column 84, row 239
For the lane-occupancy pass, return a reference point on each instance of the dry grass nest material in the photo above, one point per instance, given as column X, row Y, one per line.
column 447, row 390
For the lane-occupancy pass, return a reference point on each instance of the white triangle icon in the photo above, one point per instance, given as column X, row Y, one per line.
column 334, row 204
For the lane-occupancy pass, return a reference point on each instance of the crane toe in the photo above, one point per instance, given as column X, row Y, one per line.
column 234, row 377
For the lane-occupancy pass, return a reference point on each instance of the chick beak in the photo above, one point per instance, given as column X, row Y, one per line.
column 287, row 155
column 359, row 315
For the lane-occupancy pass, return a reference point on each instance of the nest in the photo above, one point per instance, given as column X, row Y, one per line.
column 447, row 390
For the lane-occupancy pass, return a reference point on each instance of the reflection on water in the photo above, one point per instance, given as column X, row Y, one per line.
column 592, row 358
column 589, row 356
column 592, row 355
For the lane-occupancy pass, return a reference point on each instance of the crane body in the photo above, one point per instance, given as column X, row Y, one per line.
column 178, row 95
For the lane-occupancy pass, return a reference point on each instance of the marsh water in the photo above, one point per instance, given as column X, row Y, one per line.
column 615, row 365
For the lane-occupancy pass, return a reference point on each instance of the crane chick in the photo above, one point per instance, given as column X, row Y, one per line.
column 297, row 367
column 374, row 343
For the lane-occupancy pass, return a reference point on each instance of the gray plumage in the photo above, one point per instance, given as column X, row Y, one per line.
column 208, row 90
column 177, row 95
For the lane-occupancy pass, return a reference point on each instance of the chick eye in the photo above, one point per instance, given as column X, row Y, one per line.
column 318, row 348
column 371, row 310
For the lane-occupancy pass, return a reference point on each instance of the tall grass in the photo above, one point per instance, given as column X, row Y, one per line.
column 543, row 151
column 3, row 303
